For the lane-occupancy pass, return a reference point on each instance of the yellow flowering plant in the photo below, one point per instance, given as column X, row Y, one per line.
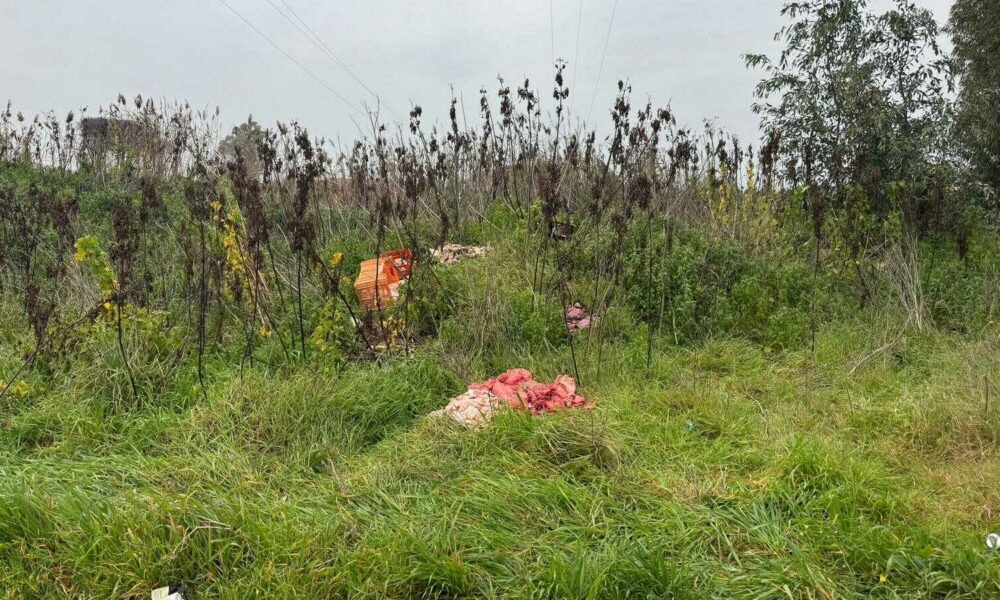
column 90, row 253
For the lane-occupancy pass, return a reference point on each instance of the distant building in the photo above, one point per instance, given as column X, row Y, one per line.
column 101, row 133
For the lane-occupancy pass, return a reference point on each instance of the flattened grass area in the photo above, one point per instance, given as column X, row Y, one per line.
column 722, row 470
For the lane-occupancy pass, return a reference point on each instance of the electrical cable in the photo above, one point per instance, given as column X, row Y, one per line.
column 314, row 38
column 600, row 69
column 291, row 58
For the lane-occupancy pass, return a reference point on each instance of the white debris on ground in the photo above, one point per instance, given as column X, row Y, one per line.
column 474, row 408
column 993, row 541
column 394, row 290
column 450, row 254
column 166, row 593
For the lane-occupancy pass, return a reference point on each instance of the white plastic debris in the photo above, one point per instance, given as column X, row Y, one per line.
column 450, row 254
column 993, row 541
column 473, row 409
column 167, row 593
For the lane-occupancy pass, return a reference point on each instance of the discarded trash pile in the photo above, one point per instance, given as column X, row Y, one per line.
column 450, row 254
column 173, row 592
column 473, row 409
column 378, row 282
column 577, row 318
column 517, row 389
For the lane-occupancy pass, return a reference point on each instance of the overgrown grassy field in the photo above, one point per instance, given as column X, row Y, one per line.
column 726, row 468
column 792, row 363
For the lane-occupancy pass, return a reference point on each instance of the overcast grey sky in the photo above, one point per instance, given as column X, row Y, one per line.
column 67, row 54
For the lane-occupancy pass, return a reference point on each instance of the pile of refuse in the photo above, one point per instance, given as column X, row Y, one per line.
column 577, row 318
column 173, row 592
column 379, row 280
column 450, row 254
column 515, row 389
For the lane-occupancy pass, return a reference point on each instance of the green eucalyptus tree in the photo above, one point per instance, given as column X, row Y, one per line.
column 975, row 33
column 858, row 98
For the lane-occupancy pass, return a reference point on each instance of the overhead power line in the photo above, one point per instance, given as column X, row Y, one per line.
column 318, row 42
column 292, row 58
column 600, row 69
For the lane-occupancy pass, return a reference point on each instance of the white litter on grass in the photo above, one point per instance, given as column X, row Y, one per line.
column 473, row 409
column 993, row 541
column 164, row 593
column 394, row 290
column 450, row 254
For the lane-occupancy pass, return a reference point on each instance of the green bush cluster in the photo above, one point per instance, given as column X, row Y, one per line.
column 962, row 294
column 692, row 289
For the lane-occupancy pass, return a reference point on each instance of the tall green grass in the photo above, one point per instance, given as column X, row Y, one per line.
column 739, row 463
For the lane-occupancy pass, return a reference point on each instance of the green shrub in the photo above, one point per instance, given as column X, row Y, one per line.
column 536, row 321
column 693, row 290
column 961, row 294
column 156, row 353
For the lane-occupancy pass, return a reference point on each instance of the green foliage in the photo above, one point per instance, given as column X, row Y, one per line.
column 92, row 255
column 857, row 96
column 961, row 293
column 429, row 298
column 300, row 415
column 536, row 321
column 504, row 326
column 500, row 218
column 692, row 290
column 334, row 334
column 156, row 353
column 976, row 41
column 185, row 436
column 739, row 477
